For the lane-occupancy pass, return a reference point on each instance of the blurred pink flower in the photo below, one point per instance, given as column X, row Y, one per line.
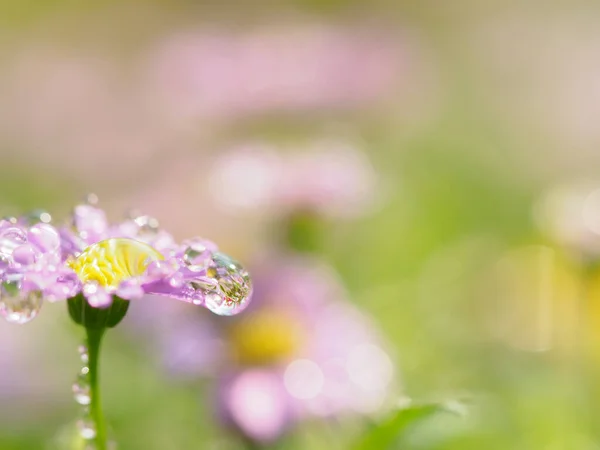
column 330, row 177
column 292, row 68
column 299, row 351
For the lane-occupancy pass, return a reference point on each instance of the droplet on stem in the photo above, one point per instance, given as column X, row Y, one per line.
column 86, row 427
column 81, row 387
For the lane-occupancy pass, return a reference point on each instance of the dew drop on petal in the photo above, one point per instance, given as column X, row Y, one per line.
column 161, row 268
column 205, row 284
column 25, row 254
column 234, row 285
column 10, row 239
column 130, row 289
column 196, row 255
column 44, row 236
column 96, row 296
column 17, row 306
column 176, row 280
column 4, row 262
column 215, row 303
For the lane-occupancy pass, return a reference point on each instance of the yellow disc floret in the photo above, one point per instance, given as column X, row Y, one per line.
column 111, row 261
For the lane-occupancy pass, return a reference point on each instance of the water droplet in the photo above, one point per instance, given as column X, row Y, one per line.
column 10, row 239
column 130, row 289
column 205, row 284
column 161, row 268
column 25, row 254
column 81, row 388
column 214, row 302
column 96, row 295
column 86, row 427
column 83, row 354
column 176, row 280
column 44, row 236
column 226, row 288
column 146, row 224
column 234, row 286
column 4, row 262
column 196, row 255
column 17, row 306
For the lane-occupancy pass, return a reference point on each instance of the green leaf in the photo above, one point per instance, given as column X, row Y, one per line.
column 385, row 434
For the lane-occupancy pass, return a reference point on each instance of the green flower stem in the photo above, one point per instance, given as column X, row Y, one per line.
column 94, row 338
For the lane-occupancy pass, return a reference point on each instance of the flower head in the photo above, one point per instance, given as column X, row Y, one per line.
column 99, row 261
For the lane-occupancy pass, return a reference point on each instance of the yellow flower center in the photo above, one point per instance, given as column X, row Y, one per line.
column 111, row 261
column 265, row 337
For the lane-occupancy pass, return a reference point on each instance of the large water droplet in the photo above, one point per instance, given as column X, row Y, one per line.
column 17, row 306
column 25, row 254
column 234, row 287
column 81, row 387
column 44, row 236
column 10, row 239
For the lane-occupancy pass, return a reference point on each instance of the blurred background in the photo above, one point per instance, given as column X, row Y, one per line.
column 413, row 185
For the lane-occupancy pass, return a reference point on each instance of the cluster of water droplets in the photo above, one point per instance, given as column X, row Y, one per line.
column 82, row 393
column 219, row 282
column 24, row 242
column 83, row 396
